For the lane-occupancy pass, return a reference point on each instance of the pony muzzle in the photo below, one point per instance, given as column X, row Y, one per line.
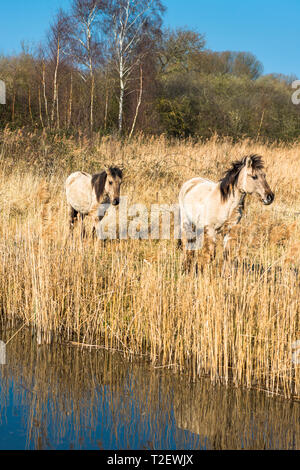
column 269, row 199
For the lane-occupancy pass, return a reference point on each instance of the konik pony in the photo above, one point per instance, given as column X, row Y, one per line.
column 92, row 195
column 207, row 207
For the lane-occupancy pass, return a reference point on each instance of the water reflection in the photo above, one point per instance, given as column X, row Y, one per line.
column 60, row 397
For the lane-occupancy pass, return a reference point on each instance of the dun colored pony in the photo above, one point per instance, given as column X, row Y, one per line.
column 92, row 195
column 207, row 207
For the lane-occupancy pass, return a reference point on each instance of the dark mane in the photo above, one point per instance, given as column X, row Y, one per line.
column 99, row 180
column 231, row 176
column 98, row 183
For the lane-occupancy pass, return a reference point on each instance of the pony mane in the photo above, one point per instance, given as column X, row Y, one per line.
column 98, row 184
column 231, row 176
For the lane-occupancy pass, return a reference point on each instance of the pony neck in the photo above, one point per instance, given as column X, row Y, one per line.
column 236, row 198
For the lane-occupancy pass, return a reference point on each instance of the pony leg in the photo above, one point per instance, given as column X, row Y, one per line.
column 209, row 243
column 188, row 237
column 97, row 228
column 73, row 217
column 83, row 231
column 226, row 270
column 191, row 237
column 226, row 246
column 231, row 223
column 96, row 221
column 188, row 256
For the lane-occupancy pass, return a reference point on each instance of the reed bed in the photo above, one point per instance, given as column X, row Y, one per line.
column 236, row 326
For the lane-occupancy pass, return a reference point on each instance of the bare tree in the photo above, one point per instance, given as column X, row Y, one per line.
column 245, row 63
column 178, row 50
column 53, row 55
column 70, row 106
column 44, row 91
column 131, row 23
column 85, row 42
column 139, row 102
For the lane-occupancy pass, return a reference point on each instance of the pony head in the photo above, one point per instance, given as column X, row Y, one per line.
column 247, row 176
column 113, row 184
column 108, row 183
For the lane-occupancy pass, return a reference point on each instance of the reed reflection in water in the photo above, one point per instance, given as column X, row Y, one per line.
column 62, row 397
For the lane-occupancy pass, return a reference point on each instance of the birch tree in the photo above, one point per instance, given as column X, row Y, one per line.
column 133, row 23
column 58, row 49
column 85, row 42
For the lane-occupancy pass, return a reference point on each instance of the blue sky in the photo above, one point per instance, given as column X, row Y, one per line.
column 268, row 28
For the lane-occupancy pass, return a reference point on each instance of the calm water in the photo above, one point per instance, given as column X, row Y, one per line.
column 60, row 397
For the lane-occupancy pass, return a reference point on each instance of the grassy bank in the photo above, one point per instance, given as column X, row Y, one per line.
column 132, row 295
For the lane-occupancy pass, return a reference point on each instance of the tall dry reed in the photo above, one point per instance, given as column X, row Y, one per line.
column 236, row 326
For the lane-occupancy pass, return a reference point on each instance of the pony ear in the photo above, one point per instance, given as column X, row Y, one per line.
column 248, row 162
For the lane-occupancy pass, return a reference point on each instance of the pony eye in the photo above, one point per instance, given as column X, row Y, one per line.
column 110, row 182
column 255, row 177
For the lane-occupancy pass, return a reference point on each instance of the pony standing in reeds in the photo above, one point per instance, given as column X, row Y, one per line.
column 207, row 207
column 92, row 195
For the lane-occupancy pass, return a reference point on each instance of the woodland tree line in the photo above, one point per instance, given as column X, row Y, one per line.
column 110, row 66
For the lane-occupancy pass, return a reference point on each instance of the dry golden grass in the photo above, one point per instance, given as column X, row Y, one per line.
column 236, row 326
